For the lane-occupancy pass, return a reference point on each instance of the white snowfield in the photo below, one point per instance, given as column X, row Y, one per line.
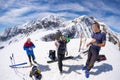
column 72, row 68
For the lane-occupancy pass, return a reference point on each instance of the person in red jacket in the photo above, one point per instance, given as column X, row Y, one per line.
column 28, row 47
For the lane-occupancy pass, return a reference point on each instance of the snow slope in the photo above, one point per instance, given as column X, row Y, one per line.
column 106, row 70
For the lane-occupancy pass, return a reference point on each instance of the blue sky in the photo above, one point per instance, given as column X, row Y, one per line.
column 16, row 12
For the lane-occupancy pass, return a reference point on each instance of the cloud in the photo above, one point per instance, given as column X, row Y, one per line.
column 12, row 15
column 17, row 15
column 101, row 5
column 105, row 12
column 19, row 12
column 110, row 8
column 110, row 21
column 5, row 4
column 69, row 6
column 113, row 21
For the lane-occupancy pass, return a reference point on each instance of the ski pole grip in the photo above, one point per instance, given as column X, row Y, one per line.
column 12, row 55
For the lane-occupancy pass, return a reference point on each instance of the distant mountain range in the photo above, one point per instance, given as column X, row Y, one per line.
column 61, row 26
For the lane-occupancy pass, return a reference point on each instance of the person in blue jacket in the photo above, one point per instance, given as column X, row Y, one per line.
column 98, row 41
column 28, row 47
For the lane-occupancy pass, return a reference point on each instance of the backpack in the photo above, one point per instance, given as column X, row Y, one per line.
column 52, row 54
column 36, row 72
column 101, row 58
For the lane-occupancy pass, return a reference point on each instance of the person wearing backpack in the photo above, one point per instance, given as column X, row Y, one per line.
column 61, row 45
column 98, row 41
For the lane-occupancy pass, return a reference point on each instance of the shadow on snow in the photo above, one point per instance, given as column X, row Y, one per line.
column 102, row 68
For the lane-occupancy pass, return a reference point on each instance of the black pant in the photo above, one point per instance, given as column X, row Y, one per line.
column 61, row 55
column 33, row 57
column 92, row 57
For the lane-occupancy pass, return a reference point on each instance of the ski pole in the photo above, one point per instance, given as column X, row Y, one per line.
column 11, row 59
column 15, row 69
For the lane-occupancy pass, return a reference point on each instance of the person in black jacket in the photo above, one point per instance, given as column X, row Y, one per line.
column 61, row 45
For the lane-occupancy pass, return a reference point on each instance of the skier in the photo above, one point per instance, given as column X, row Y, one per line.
column 28, row 46
column 36, row 73
column 61, row 45
column 98, row 41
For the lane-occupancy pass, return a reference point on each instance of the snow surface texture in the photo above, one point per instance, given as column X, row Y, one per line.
column 72, row 69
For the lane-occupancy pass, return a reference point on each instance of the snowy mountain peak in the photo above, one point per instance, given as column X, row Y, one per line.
column 69, row 28
column 52, row 18
column 84, row 18
column 27, row 25
column 84, row 24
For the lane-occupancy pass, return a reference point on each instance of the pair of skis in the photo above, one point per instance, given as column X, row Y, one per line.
column 14, row 65
column 82, row 45
column 19, row 65
column 81, row 42
column 19, row 74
